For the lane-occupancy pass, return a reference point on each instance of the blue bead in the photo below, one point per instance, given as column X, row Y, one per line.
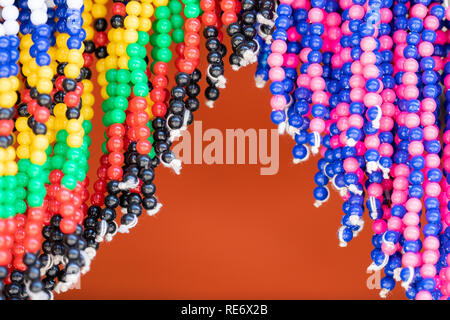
column 416, row 177
column 410, row 52
column 278, row 116
column 416, row 134
column 433, row 215
column 432, row 203
column 432, row 229
column 316, row 42
column 417, row 162
column 300, row 152
column 372, row 85
column 415, row 24
column 317, row 29
column 398, row 211
column 412, row 246
column 377, row 240
column 296, row 121
column 321, row 193
column 416, row 191
column 387, row 283
column 320, row 179
column 301, row 137
column 282, row 22
column 43, row 59
column 351, row 178
column 300, row 14
column 284, row 9
column 315, row 56
column 438, row 11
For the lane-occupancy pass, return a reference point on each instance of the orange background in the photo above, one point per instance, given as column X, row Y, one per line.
column 226, row 232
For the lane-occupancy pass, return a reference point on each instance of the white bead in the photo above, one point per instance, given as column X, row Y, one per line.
column 36, row 4
column 39, row 17
column 74, row 4
column 10, row 13
column 5, row 3
column 11, row 27
column 50, row 3
column 2, row 30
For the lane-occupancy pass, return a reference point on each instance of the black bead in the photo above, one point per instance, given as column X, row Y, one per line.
column 59, row 96
column 117, row 21
column 111, row 201
column 34, row 93
column 212, row 93
column 127, row 219
column 71, row 239
column 148, row 189
column 31, row 122
column 144, row 161
column 94, row 212
column 237, row 40
column 223, row 50
column 135, row 209
column 234, row 59
column 89, row 46
column 147, row 175
column 130, row 179
column 249, row 32
column 159, row 123
column 132, row 146
column 73, row 254
column 89, row 222
column 134, row 198
column 49, row 284
column 216, row 70
column 6, row 113
column 196, row 75
column 159, row 135
column 3, row 272
column 178, row 92
column 182, row 79
column 12, row 289
column 176, row 106
column 248, row 5
column 47, row 246
column 55, row 220
column 193, row 90
column 149, row 203
column 82, row 244
column 210, row 32
column 161, row 146
column 69, row 84
column 72, row 268
column 33, row 273
column 29, row 259
column 108, row 214
column 175, row 122
column 100, row 24
column 213, row 44
column 243, row 47
column 90, row 233
column 60, row 68
column 52, row 272
column 44, row 100
column 192, row 104
column 58, row 249
column 112, row 227
column 233, row 28
column 56, row 235
column 168, row 156
column 113, row 187
column 4, row 142
column 17, row 276
column 214, row 57
column 101, row 52
column 91, row 243
column 39, row 128
column 22, row 110
column 249, row 18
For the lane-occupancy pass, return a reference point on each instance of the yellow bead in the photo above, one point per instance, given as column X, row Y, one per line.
column 102, row 79
column 61, row 54
column 100, row 66
column 147, row 10
column 101, row 1
column 104, row 94
column 123, row 62
column 24, row 57
column 23, row 152
column 131, row 22
column 26, row 41
column 2, row 169
column 5, row 84
column 46, row 72
column 130, row 36
column 87, row 84
column 8, row 99
column 2, row 155
column 133, row 8
column 118, row 35
column 159, row 3
column 87, row 99
column 22, row 124
column 74, row 140
column 10, row 153
column 73, row 126
column 45, row 86
column 99, row 11
column 88, row 113
column 40, row 142
column 87, row 5
column 121, row 49
column 32, row 79
column 15, row 83
column 60, row 110
column 87, row 17
column 24, row 138
column 61, row 39
column 145, row 24
column 89, row 33
column 10, row 168
column 38, row 157
column 111, row 62
column 75, row 57
column 33, row 65
column 71, row 71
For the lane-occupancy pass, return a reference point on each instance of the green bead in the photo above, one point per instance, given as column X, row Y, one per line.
column 163, row 26
column 10, row 182
column 88, row 141
column 111, row 75
column 190, row 1
column 49, row 151
column 133, row 50
column 61, row 148
column 162, row 12
column 123, row 76
column 178, row 35
column 35, row 185
column 74, row 154
column 154, row 53
column 175, row 6
column 21, row 193
column 34, row 170
column 70, row 167
column 57, row 162
column 22, row 179
column 20, row 206
column 35, row 199
column 138, row 76
column 136, row 64
column 104, row 149
column 123, row 90
column 111, row 89
column 118, row 116
column 191, row 11
column 164, row 40
column 9, row 195
column 23, row 164
column 87, row 126
column 69, row 182
column 177, row 21
column 142, row 52
column 10, row 210
column 62, row 135
column 121, row 102
column 3, row 214
column 143, row 38
column 153, row 38
column 152, row 153
column 164, row 54
column 140, row 90
column 80, row 175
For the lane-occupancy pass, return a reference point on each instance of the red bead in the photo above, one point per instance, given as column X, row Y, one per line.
column 20, row 220
column 159, row 109
column 33, row 229
column 5, row 257
column 97, row 199
column 161, row 68
column 101, row 172
column 88, row 60
column 187, row 66
column 36, row 214
column 71, row 99
column 64, row 195
column 207, row 5
column 137, row 104
column 192, row 53
column 118, row 8
column 11, row 226
column 116, row 158
column 228, row 5
column 41, row 114
column 158, row 95
column 192, row 25
column 32, row 244
column 144, row 147
column 114, row 144
column 67, row 225
column 67, row 209
column 115, row 172
column 59, row 83
column 209, row 18
column 191, row 39
column 229, row 17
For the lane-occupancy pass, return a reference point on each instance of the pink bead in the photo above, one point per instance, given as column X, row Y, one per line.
column 320, row 97
column 345, row 4
column 317, row 125
column 386, row 15
column 428, row 271
column 355, row 120
column 304, row 54
column 275, row 60
column 372, row 99
column 432, row 160
column 433, row 189
column 357, row 94
column 395, row 224
column 356, row 67
column 315, row 15
column 409, row 78
column 411, row 219
column 430, row 256
column 411, row 233
column 356, row 12
column 368, row 58
column 426, row 49
column 424, row 295
column 346, row 54
column 388, row 96
column 371, row 71
column 293, row 35
column 379, row 226
column 431, row 22
column 386, row 124
column 303, row 80
column 428, row 104
column 278, row 102
column 318, row 84
column 368, row 44
column 279, row 46
column 291, row 60
column 415, row 148
column 386, row 42
column 431, row 243
column 427, row 118
column 401, row 170
column 315, row 70
column 400, row 36
column 386, row 150
column 388, row 249
column 411, row 92
column 276, row 74
column 411, row 65
column 342, row 124
column 399, row 197
column 333, row 19
column 375, row 190
column 430, row 132
column 419, row 11
column 388, row 109
column 372, row 142
column 351, row 165
column 400, row 183
column 411, row 259
column 342, row 109
column 357, row 81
